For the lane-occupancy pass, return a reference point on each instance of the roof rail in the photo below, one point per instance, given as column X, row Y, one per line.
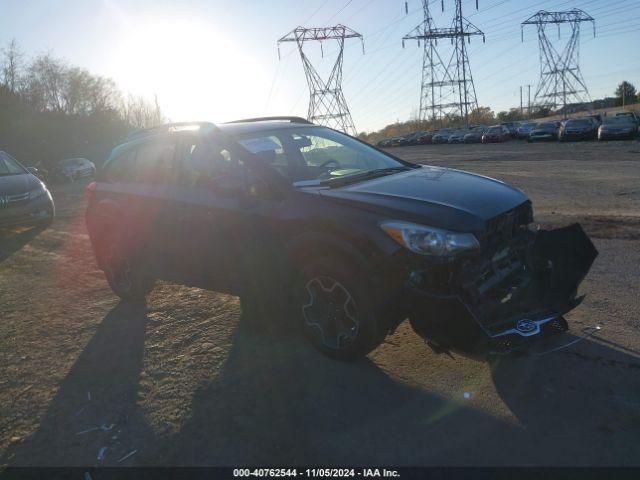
column 170, row 127
column 268, row 119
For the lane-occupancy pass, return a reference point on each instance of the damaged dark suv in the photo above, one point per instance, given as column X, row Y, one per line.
column 316, row 229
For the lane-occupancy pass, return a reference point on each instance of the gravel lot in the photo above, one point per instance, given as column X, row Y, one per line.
column 182, row 383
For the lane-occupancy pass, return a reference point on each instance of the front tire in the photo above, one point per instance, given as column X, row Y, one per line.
column 336, row 309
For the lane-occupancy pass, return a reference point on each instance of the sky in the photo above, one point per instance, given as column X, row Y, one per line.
column 218, row 60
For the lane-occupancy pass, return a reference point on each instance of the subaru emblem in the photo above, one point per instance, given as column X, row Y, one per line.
column 526, row 326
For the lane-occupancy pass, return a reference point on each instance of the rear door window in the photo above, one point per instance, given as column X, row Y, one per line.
column 154, row 164
column 121, row 168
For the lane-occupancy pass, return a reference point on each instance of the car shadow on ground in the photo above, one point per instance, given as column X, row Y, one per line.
column 95, row 406
column 579, row 405
column 276, row 402
column 13, row 240
column 279, row 402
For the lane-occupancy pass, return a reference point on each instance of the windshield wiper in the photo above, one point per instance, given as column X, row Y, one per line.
column 366, row 175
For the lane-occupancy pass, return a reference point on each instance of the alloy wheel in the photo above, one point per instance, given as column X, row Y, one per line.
column 331, row 311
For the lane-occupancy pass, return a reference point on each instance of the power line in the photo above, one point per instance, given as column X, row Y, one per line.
column 339, row 11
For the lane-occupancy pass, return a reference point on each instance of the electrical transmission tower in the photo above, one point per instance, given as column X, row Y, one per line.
column 561, row 82
column 327, row 105
column 447, row 88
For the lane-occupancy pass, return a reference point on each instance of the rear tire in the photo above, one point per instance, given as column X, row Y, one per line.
column 125, row 273
column 336, row 310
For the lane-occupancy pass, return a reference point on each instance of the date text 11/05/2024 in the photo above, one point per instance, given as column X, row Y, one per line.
column 316, row 472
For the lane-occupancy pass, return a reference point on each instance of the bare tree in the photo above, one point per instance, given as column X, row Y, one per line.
column 11, row 67
column 140, row 113
column 45, row 83
column 103, row 95
column 75, row 90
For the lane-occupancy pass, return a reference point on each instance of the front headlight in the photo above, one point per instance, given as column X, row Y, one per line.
column 429, row 240
column 39, row 191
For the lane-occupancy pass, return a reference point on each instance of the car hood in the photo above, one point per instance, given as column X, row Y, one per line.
column 16, row 184
column 614, row 128
column 440, row 197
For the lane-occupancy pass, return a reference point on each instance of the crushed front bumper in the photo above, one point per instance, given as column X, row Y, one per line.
column 502, row 304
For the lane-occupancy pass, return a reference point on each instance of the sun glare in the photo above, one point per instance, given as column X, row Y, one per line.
column 197, row 73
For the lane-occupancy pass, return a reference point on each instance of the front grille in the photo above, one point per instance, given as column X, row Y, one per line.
column 7, row 201
column 503, row 228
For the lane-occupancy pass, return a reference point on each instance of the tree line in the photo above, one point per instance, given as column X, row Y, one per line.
column 51, row 110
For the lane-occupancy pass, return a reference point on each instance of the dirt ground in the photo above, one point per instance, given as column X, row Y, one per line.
column 182, row 383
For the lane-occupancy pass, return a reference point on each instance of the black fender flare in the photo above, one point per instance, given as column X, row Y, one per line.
column 317, row 244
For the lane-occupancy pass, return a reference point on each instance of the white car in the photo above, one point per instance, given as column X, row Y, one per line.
column 75, row 168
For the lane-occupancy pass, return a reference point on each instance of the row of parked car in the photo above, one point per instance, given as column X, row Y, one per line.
column 622, row 125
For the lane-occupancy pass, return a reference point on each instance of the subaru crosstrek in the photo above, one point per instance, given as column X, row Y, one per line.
column 310, row 226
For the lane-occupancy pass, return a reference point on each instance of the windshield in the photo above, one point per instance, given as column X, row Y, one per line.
column 495, row 130
column 620, row 120
column 312, row 155
column 548, row 126
column 579, row 123
column 9, row 165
